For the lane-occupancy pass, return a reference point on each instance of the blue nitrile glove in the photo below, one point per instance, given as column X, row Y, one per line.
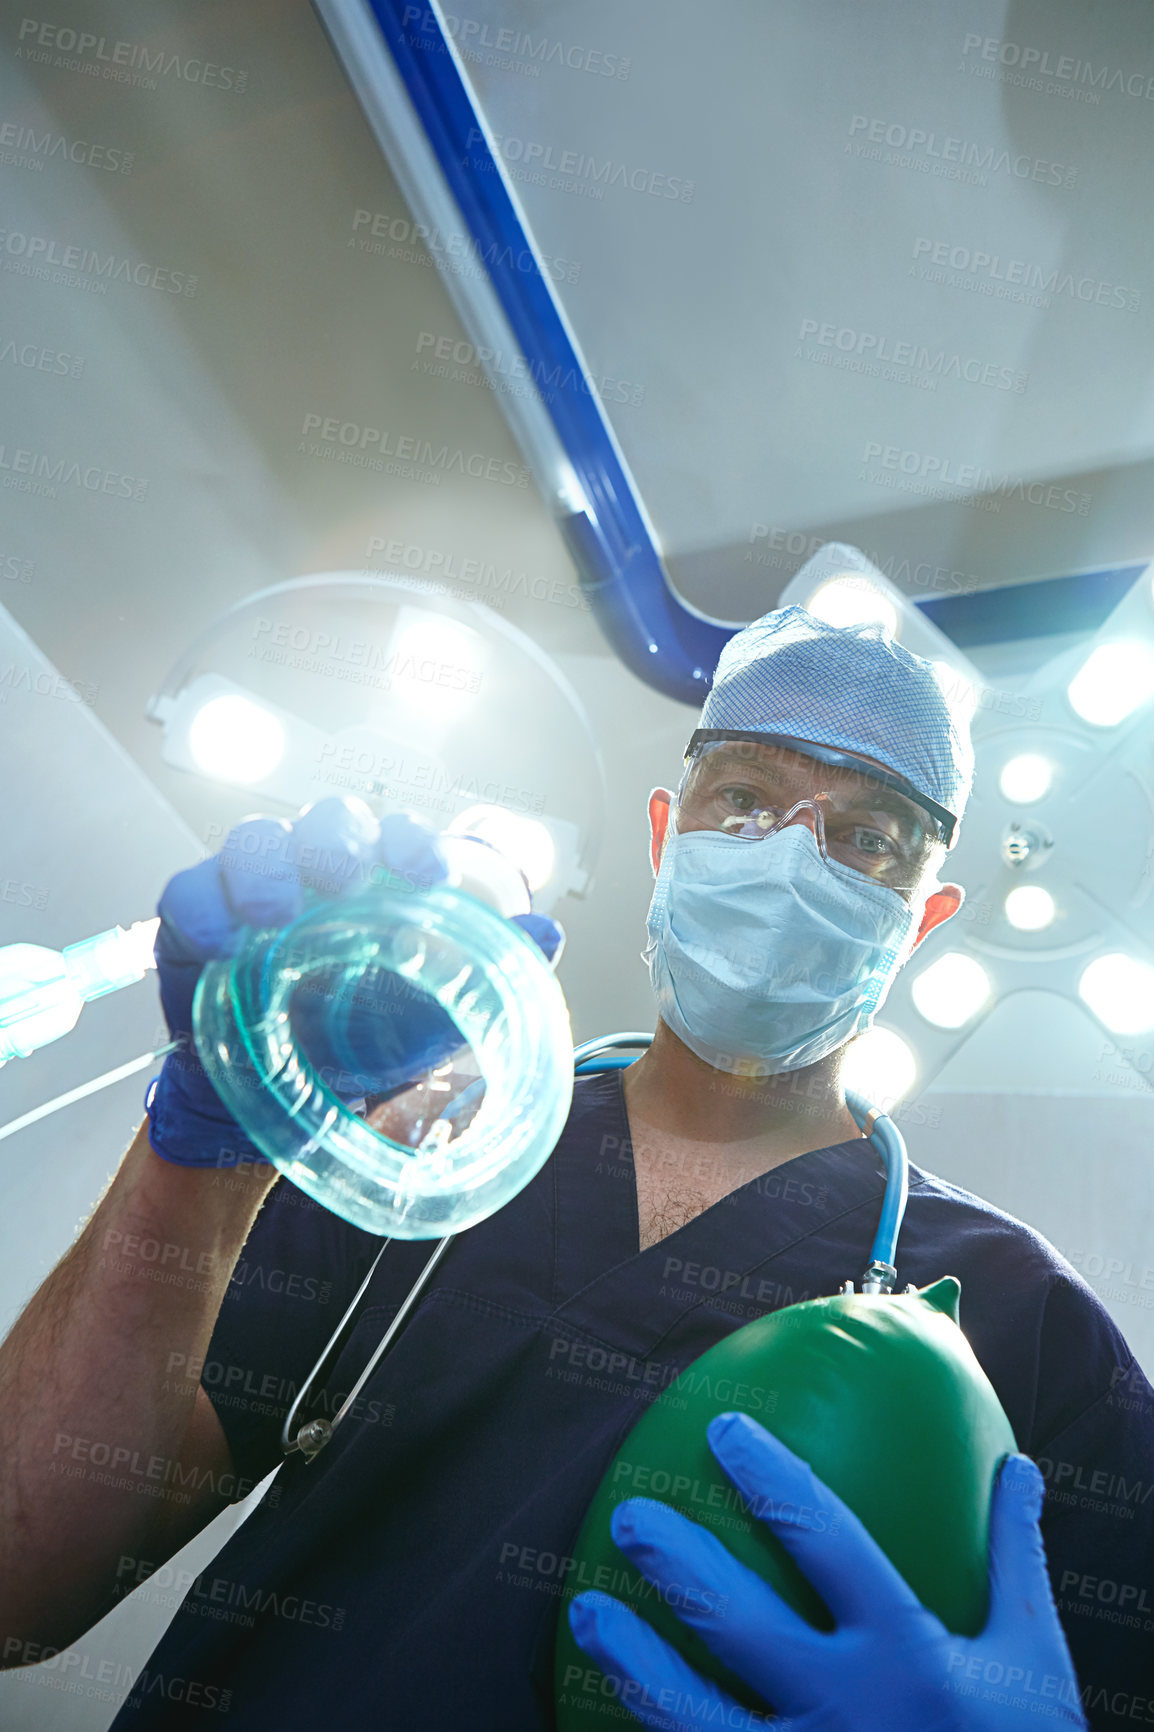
column 259, row 879
column 889, row 1666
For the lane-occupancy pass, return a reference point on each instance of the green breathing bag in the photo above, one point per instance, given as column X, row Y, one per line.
column 882, row 1396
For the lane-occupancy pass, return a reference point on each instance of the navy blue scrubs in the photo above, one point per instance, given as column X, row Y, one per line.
column 409, row 1576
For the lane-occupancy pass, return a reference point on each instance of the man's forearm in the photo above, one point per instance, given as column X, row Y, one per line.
column 96, row 1436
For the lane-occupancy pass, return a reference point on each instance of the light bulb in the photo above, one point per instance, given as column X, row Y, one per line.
column 1026, row 778
column 1120, row 991
column 1030, row 908
column 434, row 667
column 525, row 841
column 1113, row 681
column 236, row 740
column 881, row 1066
column 951, row 990
column 853, row 600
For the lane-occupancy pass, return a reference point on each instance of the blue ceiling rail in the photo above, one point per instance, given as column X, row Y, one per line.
column 1047, row 607
column 657, row 636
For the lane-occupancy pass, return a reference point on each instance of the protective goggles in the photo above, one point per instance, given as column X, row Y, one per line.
column 752, row 785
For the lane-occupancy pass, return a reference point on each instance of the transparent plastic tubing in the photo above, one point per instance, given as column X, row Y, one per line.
column 449, row 963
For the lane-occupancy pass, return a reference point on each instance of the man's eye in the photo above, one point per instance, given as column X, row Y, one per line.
column 872, row 842
column 740, row 799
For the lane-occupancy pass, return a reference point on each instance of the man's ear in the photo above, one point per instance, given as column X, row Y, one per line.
column 941, row 905
column 660, row 801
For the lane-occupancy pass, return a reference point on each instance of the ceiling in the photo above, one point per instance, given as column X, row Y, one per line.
column 902, row 282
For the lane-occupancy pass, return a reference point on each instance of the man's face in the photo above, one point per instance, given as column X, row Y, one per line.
column 744, row 787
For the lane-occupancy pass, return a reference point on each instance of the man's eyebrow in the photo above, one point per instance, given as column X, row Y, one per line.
column 921, row 823
column 877, row 797
column 886, row 799
column 876, row 794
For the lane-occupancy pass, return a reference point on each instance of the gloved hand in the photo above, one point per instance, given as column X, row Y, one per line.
column 259, row 879
column 889, row 1666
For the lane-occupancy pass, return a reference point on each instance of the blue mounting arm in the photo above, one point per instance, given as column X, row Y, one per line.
column 655, row 634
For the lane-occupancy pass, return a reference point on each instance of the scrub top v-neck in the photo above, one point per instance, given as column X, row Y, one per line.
column 410, row 1576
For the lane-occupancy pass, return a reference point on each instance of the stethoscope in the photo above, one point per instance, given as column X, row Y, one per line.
column 593, row 1057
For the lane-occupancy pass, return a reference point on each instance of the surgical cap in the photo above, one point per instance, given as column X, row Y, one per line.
column 849, row 688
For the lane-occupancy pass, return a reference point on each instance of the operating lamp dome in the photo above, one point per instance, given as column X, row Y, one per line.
column 356, row 683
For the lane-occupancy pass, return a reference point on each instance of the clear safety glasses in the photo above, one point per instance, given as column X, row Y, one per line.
column 752, row 788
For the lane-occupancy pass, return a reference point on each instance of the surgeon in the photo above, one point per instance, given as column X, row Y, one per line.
column 409, row 1576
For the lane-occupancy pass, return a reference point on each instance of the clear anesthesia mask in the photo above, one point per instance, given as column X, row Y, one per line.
column 404, row 1056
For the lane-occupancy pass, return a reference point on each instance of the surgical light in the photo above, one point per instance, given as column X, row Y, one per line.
column 1026, row 778
column 1029, row 908
column 1120, row 991
column 881, row 1066
column 385, row 694
column 1114, row 681
column 853, row 600
column 951, row 990
column 232, row 738
column 525, row 841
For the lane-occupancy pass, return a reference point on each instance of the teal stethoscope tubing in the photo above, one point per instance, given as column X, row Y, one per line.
column 597, row 1055
column 891, row 1146
column 590, row 1058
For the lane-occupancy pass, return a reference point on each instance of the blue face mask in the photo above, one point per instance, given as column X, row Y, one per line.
column 765, row 957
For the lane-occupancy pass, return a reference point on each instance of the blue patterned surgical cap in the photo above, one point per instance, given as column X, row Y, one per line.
column 848, row 688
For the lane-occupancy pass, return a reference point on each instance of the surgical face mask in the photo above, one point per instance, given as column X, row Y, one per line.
column 766, row 956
